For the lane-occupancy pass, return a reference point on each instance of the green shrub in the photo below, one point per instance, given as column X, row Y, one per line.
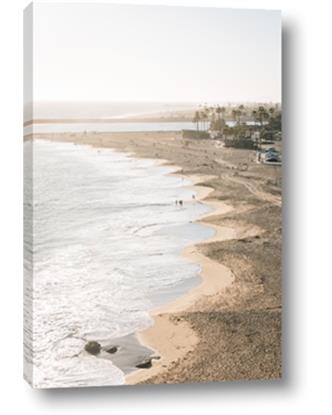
column 195, row 134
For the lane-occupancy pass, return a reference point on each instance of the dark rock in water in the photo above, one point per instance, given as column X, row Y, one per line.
column 112, row 349
column 93, row 347
column 146, row 364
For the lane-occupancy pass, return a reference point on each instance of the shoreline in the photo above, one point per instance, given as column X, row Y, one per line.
column 166, row 119
column 215, row 277
column 226, row 332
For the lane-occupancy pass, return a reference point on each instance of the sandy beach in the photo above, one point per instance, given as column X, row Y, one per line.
column 229, row 326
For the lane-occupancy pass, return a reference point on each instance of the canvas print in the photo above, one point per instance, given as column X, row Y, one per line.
column 152, row 194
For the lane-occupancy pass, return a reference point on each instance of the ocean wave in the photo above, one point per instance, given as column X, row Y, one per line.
column 106, row 249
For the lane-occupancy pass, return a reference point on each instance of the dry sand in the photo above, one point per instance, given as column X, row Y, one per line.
column 229, row 327
column 171, row 338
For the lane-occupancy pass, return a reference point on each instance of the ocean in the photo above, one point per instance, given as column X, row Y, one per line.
column 106, row 238
column 109, row 127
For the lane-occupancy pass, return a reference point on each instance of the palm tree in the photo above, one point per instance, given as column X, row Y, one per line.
column 234, row 114
column 266, row 115
column 223, row 111
column 262, row 115
column 271, row 111
column 205, row 115
column 255, row 115
column 213, row 121
column 196, row 120
column 201, row 118
column 218, row 111
column 241, row 112
column 215, row 118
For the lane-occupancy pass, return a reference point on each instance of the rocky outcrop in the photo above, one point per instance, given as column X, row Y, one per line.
column 112, row 349
column 92, row 347
column 146, row 364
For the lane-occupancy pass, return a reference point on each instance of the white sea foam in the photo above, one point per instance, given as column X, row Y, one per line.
column 107, row 237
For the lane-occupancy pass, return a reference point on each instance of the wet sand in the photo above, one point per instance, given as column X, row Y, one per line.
column 229, row 327
column 173, row 339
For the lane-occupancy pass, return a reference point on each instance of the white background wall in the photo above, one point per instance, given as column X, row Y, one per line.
column 306, row 387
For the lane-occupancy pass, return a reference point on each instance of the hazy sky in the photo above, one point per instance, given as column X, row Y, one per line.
column 103, row 52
